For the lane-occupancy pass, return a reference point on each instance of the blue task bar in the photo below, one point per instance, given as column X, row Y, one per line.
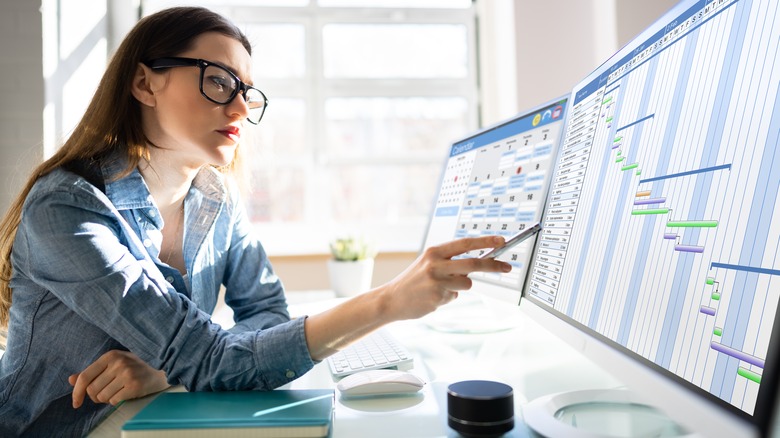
column 690, row 172
column 745, row 268
column 634, row 123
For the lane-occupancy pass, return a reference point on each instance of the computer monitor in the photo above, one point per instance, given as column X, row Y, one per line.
column 659, row 252
column 495, row 182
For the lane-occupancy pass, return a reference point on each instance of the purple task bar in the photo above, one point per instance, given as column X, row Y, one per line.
column 670, row 236
column 738, row 354
column 689, row 248
column 649, row 201
column 707, row 310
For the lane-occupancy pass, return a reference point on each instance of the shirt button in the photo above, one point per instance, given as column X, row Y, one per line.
column 152, row 213
column 169, row 279
column 147, row 243
column 290, row 374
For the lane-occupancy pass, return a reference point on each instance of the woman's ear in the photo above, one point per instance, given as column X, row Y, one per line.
column 142, row 86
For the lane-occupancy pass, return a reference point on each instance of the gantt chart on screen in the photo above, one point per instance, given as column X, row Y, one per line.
column 662, row 228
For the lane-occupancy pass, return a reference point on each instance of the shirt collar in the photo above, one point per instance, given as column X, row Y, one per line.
column 131, row 191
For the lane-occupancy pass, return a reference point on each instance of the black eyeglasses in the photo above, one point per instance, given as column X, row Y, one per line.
column 218, row 84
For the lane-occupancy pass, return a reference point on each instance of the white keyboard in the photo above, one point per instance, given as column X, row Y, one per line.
column 376, row 351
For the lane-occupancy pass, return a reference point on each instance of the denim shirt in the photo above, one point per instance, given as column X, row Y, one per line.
column 87, row 278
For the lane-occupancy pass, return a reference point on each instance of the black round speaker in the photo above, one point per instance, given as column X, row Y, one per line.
column 480, row 408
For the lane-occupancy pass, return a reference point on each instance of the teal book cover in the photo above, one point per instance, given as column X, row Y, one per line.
column 279, row 413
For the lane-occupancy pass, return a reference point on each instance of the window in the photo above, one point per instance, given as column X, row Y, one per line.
column 364, row 99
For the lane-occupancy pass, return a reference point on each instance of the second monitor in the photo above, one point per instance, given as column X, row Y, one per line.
column 494, row 183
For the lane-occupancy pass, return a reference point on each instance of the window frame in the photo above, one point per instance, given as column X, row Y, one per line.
column 312, row 235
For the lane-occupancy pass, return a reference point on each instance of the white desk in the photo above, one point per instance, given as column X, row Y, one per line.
column 531, row 360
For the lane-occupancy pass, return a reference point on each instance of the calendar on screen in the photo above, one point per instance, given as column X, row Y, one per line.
column 495, row 183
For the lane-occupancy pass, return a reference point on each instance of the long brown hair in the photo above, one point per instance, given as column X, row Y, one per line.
column 112, row 122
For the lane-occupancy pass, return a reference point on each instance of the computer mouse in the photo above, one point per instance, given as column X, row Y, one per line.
column 379, row 382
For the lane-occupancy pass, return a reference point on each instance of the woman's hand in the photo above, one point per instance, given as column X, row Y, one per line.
column 117, row 375
column 435, row 279
column 432, row 280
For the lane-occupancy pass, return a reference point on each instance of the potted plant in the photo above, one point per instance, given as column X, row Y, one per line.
column 352, row 265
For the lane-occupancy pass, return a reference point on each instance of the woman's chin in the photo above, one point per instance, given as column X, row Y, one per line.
column 224, row 156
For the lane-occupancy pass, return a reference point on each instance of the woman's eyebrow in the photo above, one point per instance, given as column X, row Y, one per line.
column 233, row 70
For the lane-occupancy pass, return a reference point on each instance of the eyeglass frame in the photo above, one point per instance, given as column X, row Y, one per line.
column 175, row 61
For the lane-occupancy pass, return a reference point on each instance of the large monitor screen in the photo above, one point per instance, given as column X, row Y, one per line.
column 495, row 183
column 662, row 228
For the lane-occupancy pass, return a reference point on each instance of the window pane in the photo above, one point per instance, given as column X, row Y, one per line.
column 80, row 86
column 384, row 126
column 156, row 5
column 278, row 50
column 461, row 4
column 79, row 22
column 281, row 133
column 395, row 51
column 267, row 2
column 389, row 194
column 276, row 157
column 277, row 195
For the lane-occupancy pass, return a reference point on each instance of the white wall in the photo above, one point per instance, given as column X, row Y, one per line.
column 22, row 91
column 635, row 15
column 558, row 42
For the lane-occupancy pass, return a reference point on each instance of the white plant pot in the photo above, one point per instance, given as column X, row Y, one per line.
column 350, row 278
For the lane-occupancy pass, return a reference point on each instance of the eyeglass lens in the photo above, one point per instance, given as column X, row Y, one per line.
column 220, row 86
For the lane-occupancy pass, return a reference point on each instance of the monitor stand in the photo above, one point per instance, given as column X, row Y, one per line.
column 598, row 413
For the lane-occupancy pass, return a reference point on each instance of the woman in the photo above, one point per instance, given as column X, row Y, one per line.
column 115, row 251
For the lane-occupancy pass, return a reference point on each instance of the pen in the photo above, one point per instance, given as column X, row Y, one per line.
column 514, row 240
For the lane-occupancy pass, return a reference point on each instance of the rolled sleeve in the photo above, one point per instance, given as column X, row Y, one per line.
column 282, row 353
column 75, row 246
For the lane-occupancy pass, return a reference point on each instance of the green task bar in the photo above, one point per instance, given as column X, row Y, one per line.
column 638, row 172
column 650, row 211
column 716, row 296
column 617, row 139
column 750, row 375
column 710, row 281
column 718, row 331
column 607, row 100
column 609, row 119
column 629, row 167
column 692, row 224
column 619, row 159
